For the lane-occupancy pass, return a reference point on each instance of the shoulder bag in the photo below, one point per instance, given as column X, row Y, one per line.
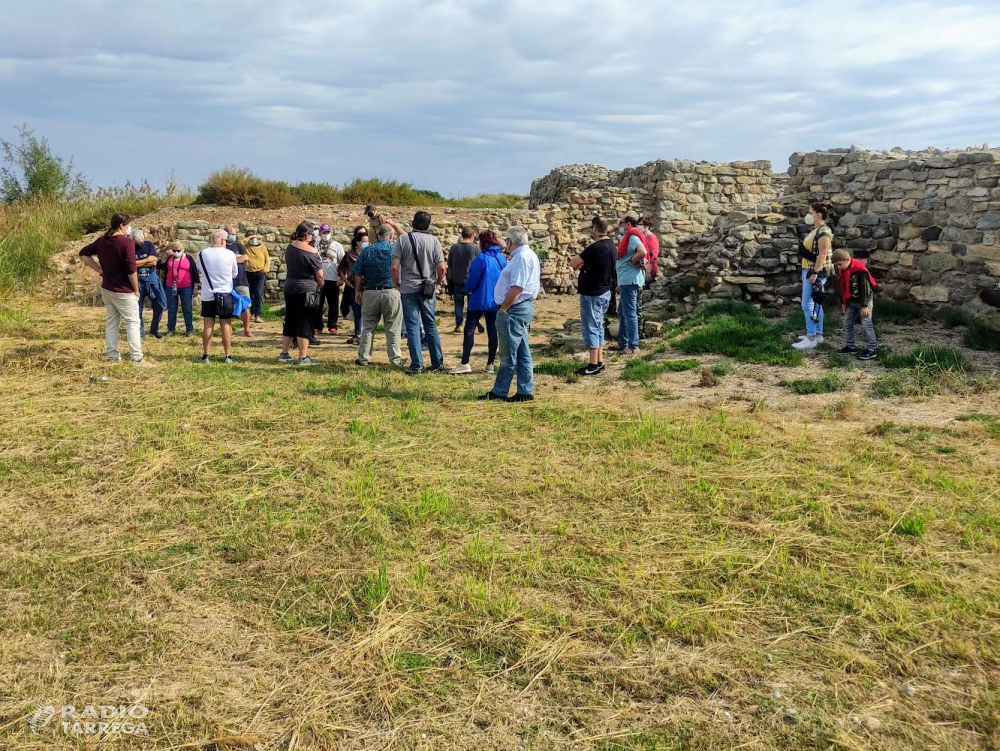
column 223, row 300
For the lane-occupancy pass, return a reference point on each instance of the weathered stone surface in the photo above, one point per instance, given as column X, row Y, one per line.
column 989, row 220
column 930, row 294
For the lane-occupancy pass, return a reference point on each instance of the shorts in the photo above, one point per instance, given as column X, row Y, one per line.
column 245, row 291
column 208, row 311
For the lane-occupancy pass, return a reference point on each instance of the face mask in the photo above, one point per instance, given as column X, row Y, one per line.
column 364, row 245
column 127, row 229
column 230, row 238
column 326, row 237
column 178, row 253
column 809, row 220
column 255, row 242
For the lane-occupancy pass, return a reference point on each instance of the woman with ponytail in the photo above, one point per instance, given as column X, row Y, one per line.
column 816, row 252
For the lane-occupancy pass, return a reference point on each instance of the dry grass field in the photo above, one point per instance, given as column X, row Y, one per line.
column 292, row 559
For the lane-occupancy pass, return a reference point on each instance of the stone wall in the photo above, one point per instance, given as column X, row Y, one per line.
column 929, row 220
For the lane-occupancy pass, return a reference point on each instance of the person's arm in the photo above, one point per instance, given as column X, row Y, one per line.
column 395, row 272
column 90, row 262
column 640, row 252
column 867, row 296
column 576, row 262
column 133, row 277
column 359, row 282
column 147, row 261
column 442, row 270
column 511, row 298
column 477, row 270
column 395, row 228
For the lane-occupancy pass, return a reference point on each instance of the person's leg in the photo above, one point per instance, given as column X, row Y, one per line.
column 491, row 336
column 334, row 297
column 605, row 300
column 807, row 304
column 356, row 312
column 459, row 297
column 260, row 279
column 628, row 321
column 591, row 329
column 868, row 324
column 428, row 314
column 187, row 306
column 370, row 311
column 207, row 327
column 851, row 315
column 171, row 309
column 159, row 302
column 114, row 322
column 520, row 320
column 128, row 310
column 638, row 315
column 227, row 334
column 411, row 320
column 392, row 316
column 505, row 373
column 469, row 335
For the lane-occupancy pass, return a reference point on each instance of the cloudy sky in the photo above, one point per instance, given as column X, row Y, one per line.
column 464, row 96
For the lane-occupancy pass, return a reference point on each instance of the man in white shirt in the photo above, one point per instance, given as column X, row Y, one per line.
column 332, row 253
column 518, row 286
column 219, row 270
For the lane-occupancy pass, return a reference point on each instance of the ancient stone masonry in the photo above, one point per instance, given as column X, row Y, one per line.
column 929, row 220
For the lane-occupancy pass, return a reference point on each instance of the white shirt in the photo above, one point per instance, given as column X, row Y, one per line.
column 522, row 270
column 332, row 256
column 219, row 265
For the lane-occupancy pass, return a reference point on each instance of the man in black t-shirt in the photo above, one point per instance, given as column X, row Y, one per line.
column 596, row 264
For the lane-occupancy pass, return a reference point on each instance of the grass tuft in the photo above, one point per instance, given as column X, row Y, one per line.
column 826, row 384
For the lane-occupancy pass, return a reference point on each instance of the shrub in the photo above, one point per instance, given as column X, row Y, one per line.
column 952, row 317
column 33, row 171
column 894, row 311
column 825, row 385
column 239, row 186
column 983, row 333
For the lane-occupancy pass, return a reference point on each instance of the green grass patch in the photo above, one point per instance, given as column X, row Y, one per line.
column 990, row 422
column 644, row 370
column 562, row 368
column 983, row 333
column 952, row 317
column 721, row 369
column 927, row 358
column 840, row 361
column 911, row 526
column 898, row 312
column 744, row 337
column 824, row 385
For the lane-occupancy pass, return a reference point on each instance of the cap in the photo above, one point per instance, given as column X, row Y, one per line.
column 324, row 228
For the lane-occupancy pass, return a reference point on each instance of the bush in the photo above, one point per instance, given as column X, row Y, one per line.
column 894, row 311
column 983, row 333
column 33, row 171
column 238, row 186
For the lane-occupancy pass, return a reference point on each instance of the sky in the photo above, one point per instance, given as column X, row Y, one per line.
column 470, row 96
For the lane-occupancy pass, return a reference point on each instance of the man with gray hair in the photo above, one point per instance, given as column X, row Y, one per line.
column 518, row 286
column 219, row 271
column 149, row 282
column 378, row 297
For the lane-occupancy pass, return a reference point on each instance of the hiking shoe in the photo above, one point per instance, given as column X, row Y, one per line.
column 868, row 354
column 284, row 357
column 589, row 370
column 143, row 363
column 414, row 371
column 229, row 361
column 629, row 351
column 489, row 396
column 461, row 369
column 457, row 330
column 188, row 333
column 169, row 333
column 203, row 360
column 158, row 335
column 615, row 348
column 522, row 398
column 806, row 344
column 306, row 361
column 480, row 328
column 360, row 364
column 489, row 368
column 848, row 350
column 314, row 342
column 434, row 368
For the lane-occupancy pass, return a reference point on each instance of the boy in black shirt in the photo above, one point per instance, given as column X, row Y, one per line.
column 596, row 265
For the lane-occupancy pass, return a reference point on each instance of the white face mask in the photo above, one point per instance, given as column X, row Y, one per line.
column 178, row 253
column 255, row 242
column 809, row 220
column 326, row 237
column 127, row 229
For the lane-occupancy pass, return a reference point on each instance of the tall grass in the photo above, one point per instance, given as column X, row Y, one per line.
column 240, row 186
column 32, row 231
column 738, row 330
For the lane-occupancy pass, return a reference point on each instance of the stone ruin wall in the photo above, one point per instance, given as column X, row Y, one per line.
column 929, row 221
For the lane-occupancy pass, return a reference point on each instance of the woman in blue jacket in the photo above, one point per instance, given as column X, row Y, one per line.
column 483, row 275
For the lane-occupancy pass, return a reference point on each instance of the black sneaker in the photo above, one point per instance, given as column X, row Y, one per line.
column 480, row 328
column 489, row 396
column 360, row 364
column 522, row 398
column 414, row 371
column 434, row 368
column 158, row 335
column 589, row 370
column 314, row 342
column 600, row 365
column 847, row 350
column 868, row 354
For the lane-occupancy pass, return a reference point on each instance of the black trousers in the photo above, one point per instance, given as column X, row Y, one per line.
column 330, row 294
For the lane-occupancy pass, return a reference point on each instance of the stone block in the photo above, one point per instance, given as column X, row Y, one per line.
column 930, row 293
column 986, row 252
column 989, row 221
column 744, row 280
column 937, row 263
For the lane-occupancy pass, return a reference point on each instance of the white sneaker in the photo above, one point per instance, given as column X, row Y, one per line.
column 143, row 363
column 819, row 338
column 805, row 344
column 489, row 368
column 461, row 369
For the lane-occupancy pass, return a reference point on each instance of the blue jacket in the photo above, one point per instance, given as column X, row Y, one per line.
column 484, row 272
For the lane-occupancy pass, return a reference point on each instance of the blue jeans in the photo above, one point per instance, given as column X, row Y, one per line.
column 628, row 316
column 256, row 280
column 183, row 295
column 592, row 310
column 459, row 293
column 515, row 354
column 812, row 328
column 418, row 310
column 149, row 286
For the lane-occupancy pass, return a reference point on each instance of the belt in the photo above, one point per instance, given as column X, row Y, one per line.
column 376, row 289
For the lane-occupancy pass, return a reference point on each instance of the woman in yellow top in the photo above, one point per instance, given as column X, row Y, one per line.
column 817, row 267
column 257, row 265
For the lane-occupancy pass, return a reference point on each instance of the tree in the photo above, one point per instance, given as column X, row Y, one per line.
column 33, row 170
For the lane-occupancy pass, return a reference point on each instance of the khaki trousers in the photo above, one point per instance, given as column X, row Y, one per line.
column 387, row 305
column 122, row 306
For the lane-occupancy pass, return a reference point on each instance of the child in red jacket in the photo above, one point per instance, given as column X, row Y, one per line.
column 857, row 296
